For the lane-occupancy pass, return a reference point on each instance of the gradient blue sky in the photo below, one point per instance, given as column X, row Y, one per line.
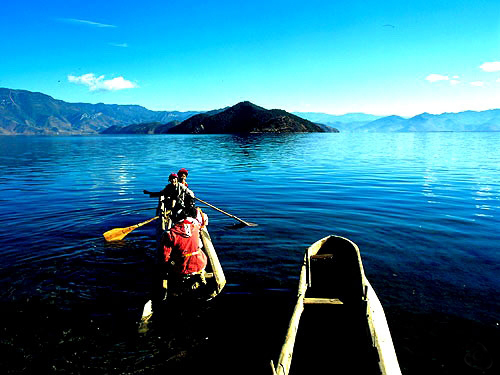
column 378, row 57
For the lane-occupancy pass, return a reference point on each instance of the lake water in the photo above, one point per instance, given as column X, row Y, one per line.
column 424, row 208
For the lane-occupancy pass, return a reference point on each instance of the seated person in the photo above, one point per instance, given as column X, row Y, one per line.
column 174, row 194
column 182, row 251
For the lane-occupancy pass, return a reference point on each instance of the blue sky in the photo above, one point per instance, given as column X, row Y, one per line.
column 392, row 57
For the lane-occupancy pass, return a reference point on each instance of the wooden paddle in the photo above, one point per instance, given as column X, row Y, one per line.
column 225, row 213
column 118, row 234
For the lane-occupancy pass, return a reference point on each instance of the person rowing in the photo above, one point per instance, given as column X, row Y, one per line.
column 174, row 194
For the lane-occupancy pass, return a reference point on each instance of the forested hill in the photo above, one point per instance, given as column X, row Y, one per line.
column 246, row 117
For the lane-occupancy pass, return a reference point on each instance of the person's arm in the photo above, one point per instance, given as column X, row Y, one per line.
column 187, row 191
column 202, row 218
column 155, row 194
column 167, row 250
column 168, row 244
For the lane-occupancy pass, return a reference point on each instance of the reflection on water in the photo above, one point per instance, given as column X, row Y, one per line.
column 423, row 208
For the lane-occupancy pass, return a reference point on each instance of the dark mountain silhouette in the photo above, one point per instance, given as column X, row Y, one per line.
column 26, row 112
column 246, row 117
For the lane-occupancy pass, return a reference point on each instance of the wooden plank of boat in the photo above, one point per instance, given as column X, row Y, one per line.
column 214, row 274
column 322, row 301
column 343, row 308
column 213, row 260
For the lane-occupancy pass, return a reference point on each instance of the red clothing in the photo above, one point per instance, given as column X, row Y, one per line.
column 182, row 246
column 202, row 218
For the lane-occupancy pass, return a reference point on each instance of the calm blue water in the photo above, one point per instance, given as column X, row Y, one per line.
column 423, row 208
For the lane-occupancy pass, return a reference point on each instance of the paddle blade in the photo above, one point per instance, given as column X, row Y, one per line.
column 117, row 234
column 242, row 225
column 146, row 315
column 148, row 311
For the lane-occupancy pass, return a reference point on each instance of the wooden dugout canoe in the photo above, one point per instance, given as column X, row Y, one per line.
column 214, row 274
column 343, row 328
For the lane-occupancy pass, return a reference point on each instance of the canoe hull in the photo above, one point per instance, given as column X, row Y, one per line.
column 336, row 305
column 214, row 274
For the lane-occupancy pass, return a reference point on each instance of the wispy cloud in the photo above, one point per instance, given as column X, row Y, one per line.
column 493, row 66
column 454, row 82
column 477, row 83
column 100, row 84
column 436, row 78
column 85, row 22
column 122, row 45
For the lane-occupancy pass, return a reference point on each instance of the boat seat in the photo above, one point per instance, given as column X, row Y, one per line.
column 322, row 256
column 322, row 301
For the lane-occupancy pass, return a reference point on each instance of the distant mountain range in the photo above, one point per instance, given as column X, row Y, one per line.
column 31, row 113
column 324, row 118
column 483, row 121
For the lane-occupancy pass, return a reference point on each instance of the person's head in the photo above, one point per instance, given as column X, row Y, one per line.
column 183, row 173
column 173, row 178
column 190, row 207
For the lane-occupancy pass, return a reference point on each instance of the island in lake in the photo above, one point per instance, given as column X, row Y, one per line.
column 246, row 117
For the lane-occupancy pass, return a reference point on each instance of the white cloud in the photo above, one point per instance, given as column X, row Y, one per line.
column 100, row 84
column 123, row 45
column 436, row 77
column 118, row 83
column 493, row 66
column 456, row 77
column 477, row 83
column 85, row 22
column 454, row 82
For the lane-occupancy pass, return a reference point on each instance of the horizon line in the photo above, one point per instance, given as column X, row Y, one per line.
column 289, row 111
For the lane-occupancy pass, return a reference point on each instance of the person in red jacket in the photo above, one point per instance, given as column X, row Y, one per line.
column 182, row 251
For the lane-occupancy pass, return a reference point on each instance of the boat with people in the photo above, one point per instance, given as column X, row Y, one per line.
column 213, row 273
column 343, row 327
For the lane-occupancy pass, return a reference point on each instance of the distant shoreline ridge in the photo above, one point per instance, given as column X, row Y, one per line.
column 24, row 112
